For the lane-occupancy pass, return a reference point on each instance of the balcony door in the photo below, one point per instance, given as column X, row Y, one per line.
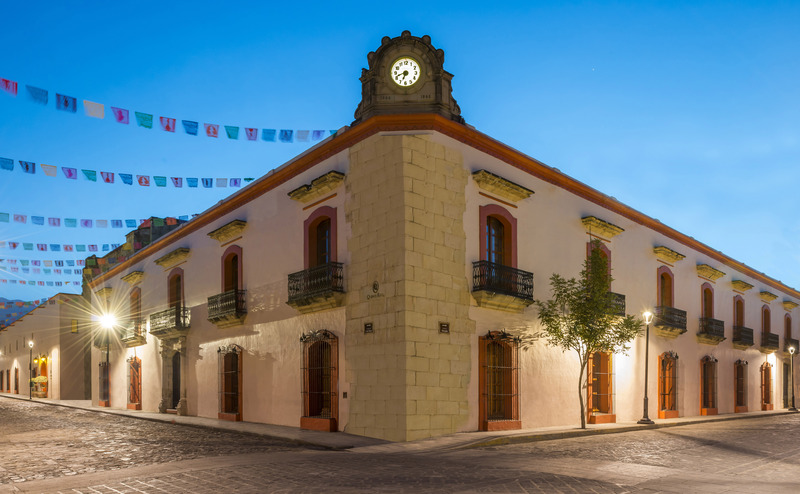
column 600, row 390
column 740, row 385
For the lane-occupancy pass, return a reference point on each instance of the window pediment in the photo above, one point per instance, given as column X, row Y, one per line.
column 229, row 231
column 789, row 305
column 767, row 296
column 707, row 271
column 596, row 226
column 318, row 187
column 740, row 285
column 174, row 258
column 104, row 293
column 133, row 278
column 498, row 185
column 667, row 255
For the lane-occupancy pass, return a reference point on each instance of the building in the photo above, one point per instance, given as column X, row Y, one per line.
column 374, row 284
column 50, row 344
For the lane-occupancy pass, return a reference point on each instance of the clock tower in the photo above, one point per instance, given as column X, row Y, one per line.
column 406, row 75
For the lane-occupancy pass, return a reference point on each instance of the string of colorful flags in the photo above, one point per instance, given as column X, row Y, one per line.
column 145, row 120
column 7, row 164
column 43, row 262
column 22, row 303
column 47, row 271
column 40, row 247
column 40, row 283
column 84, row 222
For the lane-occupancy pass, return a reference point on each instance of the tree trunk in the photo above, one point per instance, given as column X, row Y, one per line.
column 581, row 384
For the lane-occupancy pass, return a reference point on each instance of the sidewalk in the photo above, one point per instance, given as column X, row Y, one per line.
column 359, row 444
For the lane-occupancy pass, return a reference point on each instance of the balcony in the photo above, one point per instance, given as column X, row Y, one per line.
column 170, row 323
column 227, row 309
column 669, row 322
column 770, row 343
column 134, row 334
column 317, row 288
column 618, row 300
column 495, row 286
column 712, row 331
column 790, row 342
column 742, row 337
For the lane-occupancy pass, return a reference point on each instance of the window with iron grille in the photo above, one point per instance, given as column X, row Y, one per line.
column 320, row 381
column 766, row 386
column 740, row 385
column 498, row 381
column 668, row 385
column 708, row 386
column 135, row 383
column 230, row 382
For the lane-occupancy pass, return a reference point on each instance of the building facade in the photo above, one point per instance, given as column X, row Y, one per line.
column 377, row 283
column 49, row 346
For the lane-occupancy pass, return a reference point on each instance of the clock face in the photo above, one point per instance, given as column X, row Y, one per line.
column 405, row 71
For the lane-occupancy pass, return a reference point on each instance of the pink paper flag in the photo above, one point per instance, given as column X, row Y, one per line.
column 120, row 115
column 252, row 134
column 70, row 172
column 8, row 86
column 177, row 181
column 108, row 177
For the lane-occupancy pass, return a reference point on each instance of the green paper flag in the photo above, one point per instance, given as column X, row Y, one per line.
column 144, row 120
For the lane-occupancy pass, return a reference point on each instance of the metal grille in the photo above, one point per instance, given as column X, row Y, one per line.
column 766, row 384
column 134, row 380
column 104, row 381
column 668, row 383
column 770, row 340
column 320, row 375
column 743, row 335
column 740, row 379
column 601, row 398
column 712, row 327
column 316, row 281
column 709, row 382
column 172, row 318
column 670, row 316
column 497, row 278
column 229, row 379
column 499, row 366
column 230, row 303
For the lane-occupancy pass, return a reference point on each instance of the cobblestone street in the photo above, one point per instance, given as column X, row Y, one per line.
column 47, row 448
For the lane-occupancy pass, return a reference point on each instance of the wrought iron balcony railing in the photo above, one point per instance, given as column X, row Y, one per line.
column 742, row 336
column 135, row 329
column 230, row 304
column 316, row 281
column 170, row 320
column 713, row 328
column 497, row 278
column 770, row 341
column 670, row 317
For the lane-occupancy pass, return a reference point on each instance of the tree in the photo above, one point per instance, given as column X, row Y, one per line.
column 582, row 316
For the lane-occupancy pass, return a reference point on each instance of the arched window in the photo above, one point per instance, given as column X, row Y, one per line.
column 497, row 382
column 707, row 301
column 740, row 385
column 175, row 288
column 738, row 311
column 498, row 235
column 766, row 318
column 320, row 381
column 708, row 386
column 766, row 386
column 665, row 290
column 668, row 385
column 320, row 237
column 787, row 329
column 135, row 313
column 232, row 269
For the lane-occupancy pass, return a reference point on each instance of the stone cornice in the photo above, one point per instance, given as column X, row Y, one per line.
column 104, row 293
column 133, row 278
column 174, row 258
column 789, row 305
column 667, row 255
column 318, row 187
column 498, row 185
column 767, row 296
column 600, row 227
column 229, row 231
column 707, row 271
column 740, row 285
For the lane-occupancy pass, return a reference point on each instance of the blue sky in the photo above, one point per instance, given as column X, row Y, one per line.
column 686, row 111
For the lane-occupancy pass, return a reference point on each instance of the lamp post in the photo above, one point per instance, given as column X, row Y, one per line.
column 791, row 370
column 108, row 321
column 648, row 318
column 30, row 371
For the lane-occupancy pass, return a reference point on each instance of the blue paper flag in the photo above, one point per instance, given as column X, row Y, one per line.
column 116, row 223
column 191, row 182
column 28, row 166
column 66, row 103
column 126, row 178
column 7, row 164
column 268, row 135
column 190, row 127
column 130, row 223
column 286, row 135
column 208, row 182
column 37, row 220
column 37, row 94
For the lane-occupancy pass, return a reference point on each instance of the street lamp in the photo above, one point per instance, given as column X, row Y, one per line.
column 648, row 318
column 107, row 321
column 30, row 371
column 791, row 370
